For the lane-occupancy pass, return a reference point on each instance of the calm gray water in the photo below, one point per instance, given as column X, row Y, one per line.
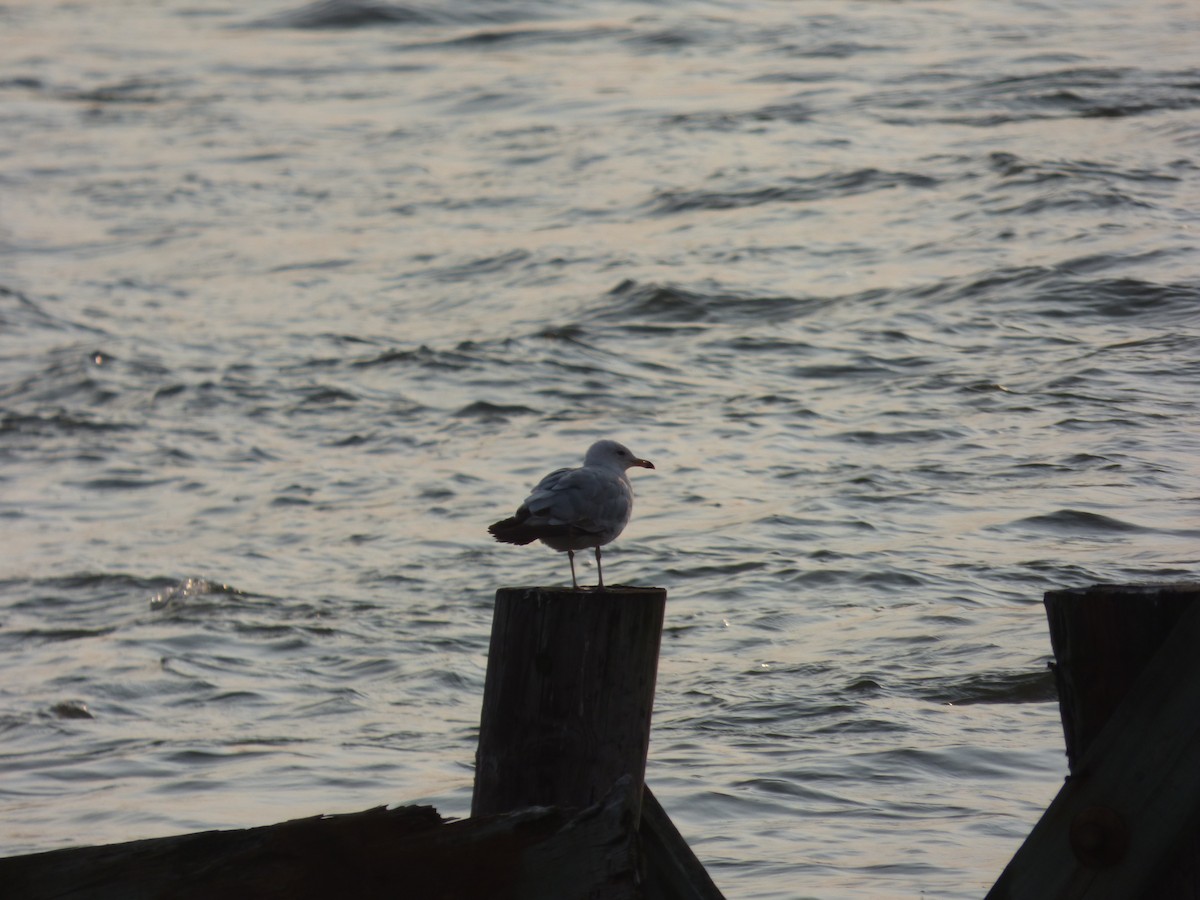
column 902, row 298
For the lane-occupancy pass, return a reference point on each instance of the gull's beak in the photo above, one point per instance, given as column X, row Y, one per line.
column 644, row 463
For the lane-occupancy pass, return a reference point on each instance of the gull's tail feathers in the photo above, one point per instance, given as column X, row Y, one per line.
column 525, row 529
column 514, row 531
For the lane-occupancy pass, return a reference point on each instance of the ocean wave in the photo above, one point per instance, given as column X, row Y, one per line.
column 827, row 186
column 636, row 303
column 346, row 14
column 1078, row 521
column 1071, row 92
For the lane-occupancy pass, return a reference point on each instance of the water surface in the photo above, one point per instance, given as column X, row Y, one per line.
column 294, row 300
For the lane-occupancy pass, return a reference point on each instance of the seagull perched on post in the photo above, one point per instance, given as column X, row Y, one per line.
column 572, row 509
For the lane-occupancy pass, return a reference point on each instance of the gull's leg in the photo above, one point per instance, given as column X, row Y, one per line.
column 599, row 571
column 571, row 557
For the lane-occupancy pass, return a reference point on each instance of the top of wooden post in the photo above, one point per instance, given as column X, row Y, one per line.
column 588, row 590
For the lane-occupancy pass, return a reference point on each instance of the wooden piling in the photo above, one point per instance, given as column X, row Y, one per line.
column 568, row 697
column 1103, row 636
column 1126, row 825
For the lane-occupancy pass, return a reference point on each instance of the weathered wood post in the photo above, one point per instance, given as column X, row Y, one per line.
column 1103, row 636
column 1126, row 825
column 568, row 697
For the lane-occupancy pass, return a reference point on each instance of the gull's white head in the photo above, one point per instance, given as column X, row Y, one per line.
column 613, row 454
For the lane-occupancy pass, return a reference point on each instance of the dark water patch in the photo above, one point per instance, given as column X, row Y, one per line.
column 837, row 372
column 1095, row 263
column 315, row 264
column 709, row 120
column 345, row 14
column 135, row 91
column 634, row 303
column 353, row 440
column 478, row 103
column 191, row 758
column 60, row 423
column 369, row 668
column 1017, row 171
column 336, row 702
column 828, row 186
column 22, row 82
column 10, row 722
column 571, row 333
column 991, row 687
column 795, row 112
column 877, row 438
column 53, row 635
column 423, row 357
column 324, row 395
column 81, row 591
column 19, row 312
column 126, row 482
column 792, row 112
column 298, row 496
column 664, row 40
column 798, row 789
column 66, row 374
column 1041, row 469
column 1073, row 92
column 511, row 39
column 1112, row 93
column 71, row 709
column 1076, row 521
column 819, row 37
column 1069, row 185
column 1071, row 198
column 478, row 268
column 890, row 578
column 1000, row 284
column 240, row 698
column 903, row 763
column 710, row 571
column 864, row 725
column 825, row 577
column 169, row 391
column 492, row 412
column 864, row 686
column 1064, row 291
column 1118, row 298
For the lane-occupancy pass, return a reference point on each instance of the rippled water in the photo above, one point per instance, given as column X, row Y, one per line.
column 902, row 299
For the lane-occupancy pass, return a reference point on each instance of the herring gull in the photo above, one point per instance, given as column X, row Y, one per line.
column 572, row 509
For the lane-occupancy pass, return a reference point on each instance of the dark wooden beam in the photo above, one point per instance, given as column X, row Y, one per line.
column 538, row 854
column 670, row 870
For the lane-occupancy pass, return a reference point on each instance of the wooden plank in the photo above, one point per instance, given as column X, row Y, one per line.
column 1133, row 805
